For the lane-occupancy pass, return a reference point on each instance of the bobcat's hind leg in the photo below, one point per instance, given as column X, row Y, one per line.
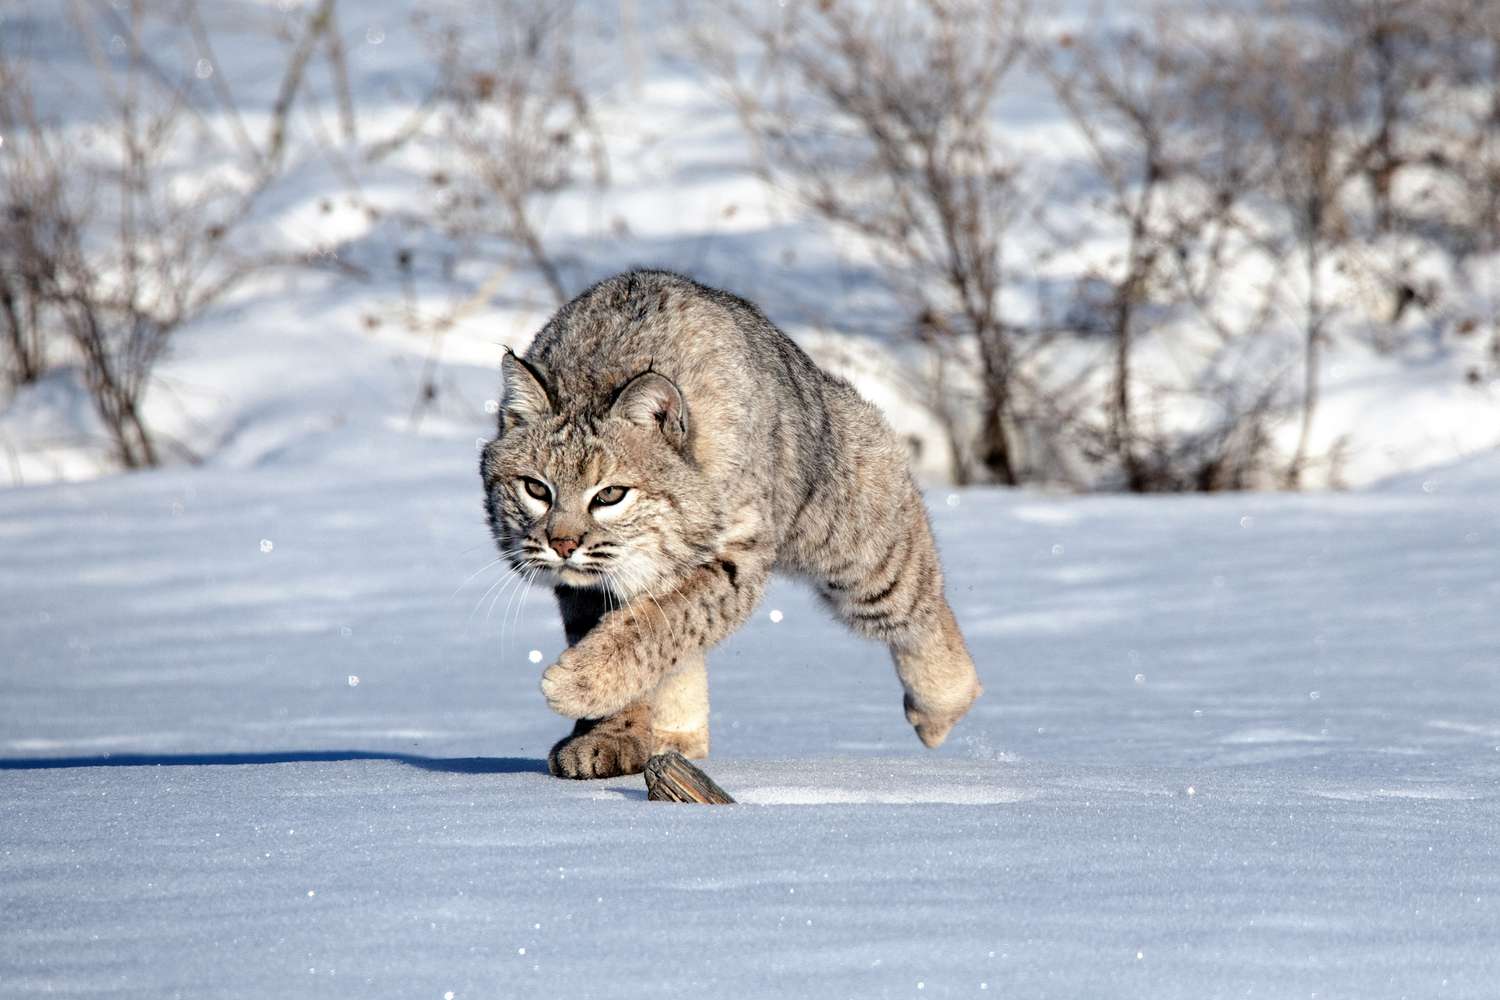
column 934, row 667
column 882, row 577
column 679, row 710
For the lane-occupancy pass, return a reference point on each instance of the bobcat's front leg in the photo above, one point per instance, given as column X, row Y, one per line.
column 675, row 718
column 604, row 748
column 625, row 656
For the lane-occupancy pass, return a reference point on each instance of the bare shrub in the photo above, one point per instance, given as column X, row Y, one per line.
column 1382, row 122
column 1170, row 170
column 1307, row 102
column 111, row 242
column 505, row 128
column 510, row 105
column 1458, row 147
column 1266, row 173
column 881, row 119
column 30, row 190
column 318, row 30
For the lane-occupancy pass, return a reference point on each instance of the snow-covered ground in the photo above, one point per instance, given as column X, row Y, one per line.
column 263, row 734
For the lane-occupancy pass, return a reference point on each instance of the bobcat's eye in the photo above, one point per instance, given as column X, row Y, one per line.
column 536, row 489
column 609, row 496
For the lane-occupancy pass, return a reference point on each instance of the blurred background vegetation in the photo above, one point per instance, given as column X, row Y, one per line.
column 1188, row 246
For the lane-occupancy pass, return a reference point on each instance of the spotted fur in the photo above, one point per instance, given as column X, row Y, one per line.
column 732, row 455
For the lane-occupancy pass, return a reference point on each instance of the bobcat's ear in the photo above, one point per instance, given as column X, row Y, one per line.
column 652, row 399
column 526, row 396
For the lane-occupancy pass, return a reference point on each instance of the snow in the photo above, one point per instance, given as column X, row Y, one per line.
column 1230, row 746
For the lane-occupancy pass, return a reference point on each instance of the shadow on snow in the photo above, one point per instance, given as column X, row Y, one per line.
column 454, row 765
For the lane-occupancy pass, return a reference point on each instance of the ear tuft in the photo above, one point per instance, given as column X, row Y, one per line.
column 652, row 399
column 526, row 396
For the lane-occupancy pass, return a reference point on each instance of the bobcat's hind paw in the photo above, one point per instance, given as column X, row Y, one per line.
column 933, row 725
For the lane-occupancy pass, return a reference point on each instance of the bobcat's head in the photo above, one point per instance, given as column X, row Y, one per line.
column 596, row 494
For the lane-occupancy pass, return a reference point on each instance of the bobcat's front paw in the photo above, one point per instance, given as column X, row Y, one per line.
column 584, row 685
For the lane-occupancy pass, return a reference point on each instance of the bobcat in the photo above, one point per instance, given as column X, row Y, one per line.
column 662, row 448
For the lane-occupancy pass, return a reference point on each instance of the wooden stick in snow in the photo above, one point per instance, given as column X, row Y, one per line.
column 670, row 777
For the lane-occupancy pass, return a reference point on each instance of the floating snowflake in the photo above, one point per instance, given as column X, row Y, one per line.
column 266, row 545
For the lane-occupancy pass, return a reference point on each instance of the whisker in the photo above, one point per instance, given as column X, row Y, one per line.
column 634, row 618
column 510, row 581
column 664, row 620
column 473, row 575
column 509, row 593
column 639, row 582
column 522, row 573
column 530, row 575
column 621, row 574
column 505, row 629
column 499, row 582
column 520, row 598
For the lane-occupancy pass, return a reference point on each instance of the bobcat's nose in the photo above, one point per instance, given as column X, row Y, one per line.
column 563, row 546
